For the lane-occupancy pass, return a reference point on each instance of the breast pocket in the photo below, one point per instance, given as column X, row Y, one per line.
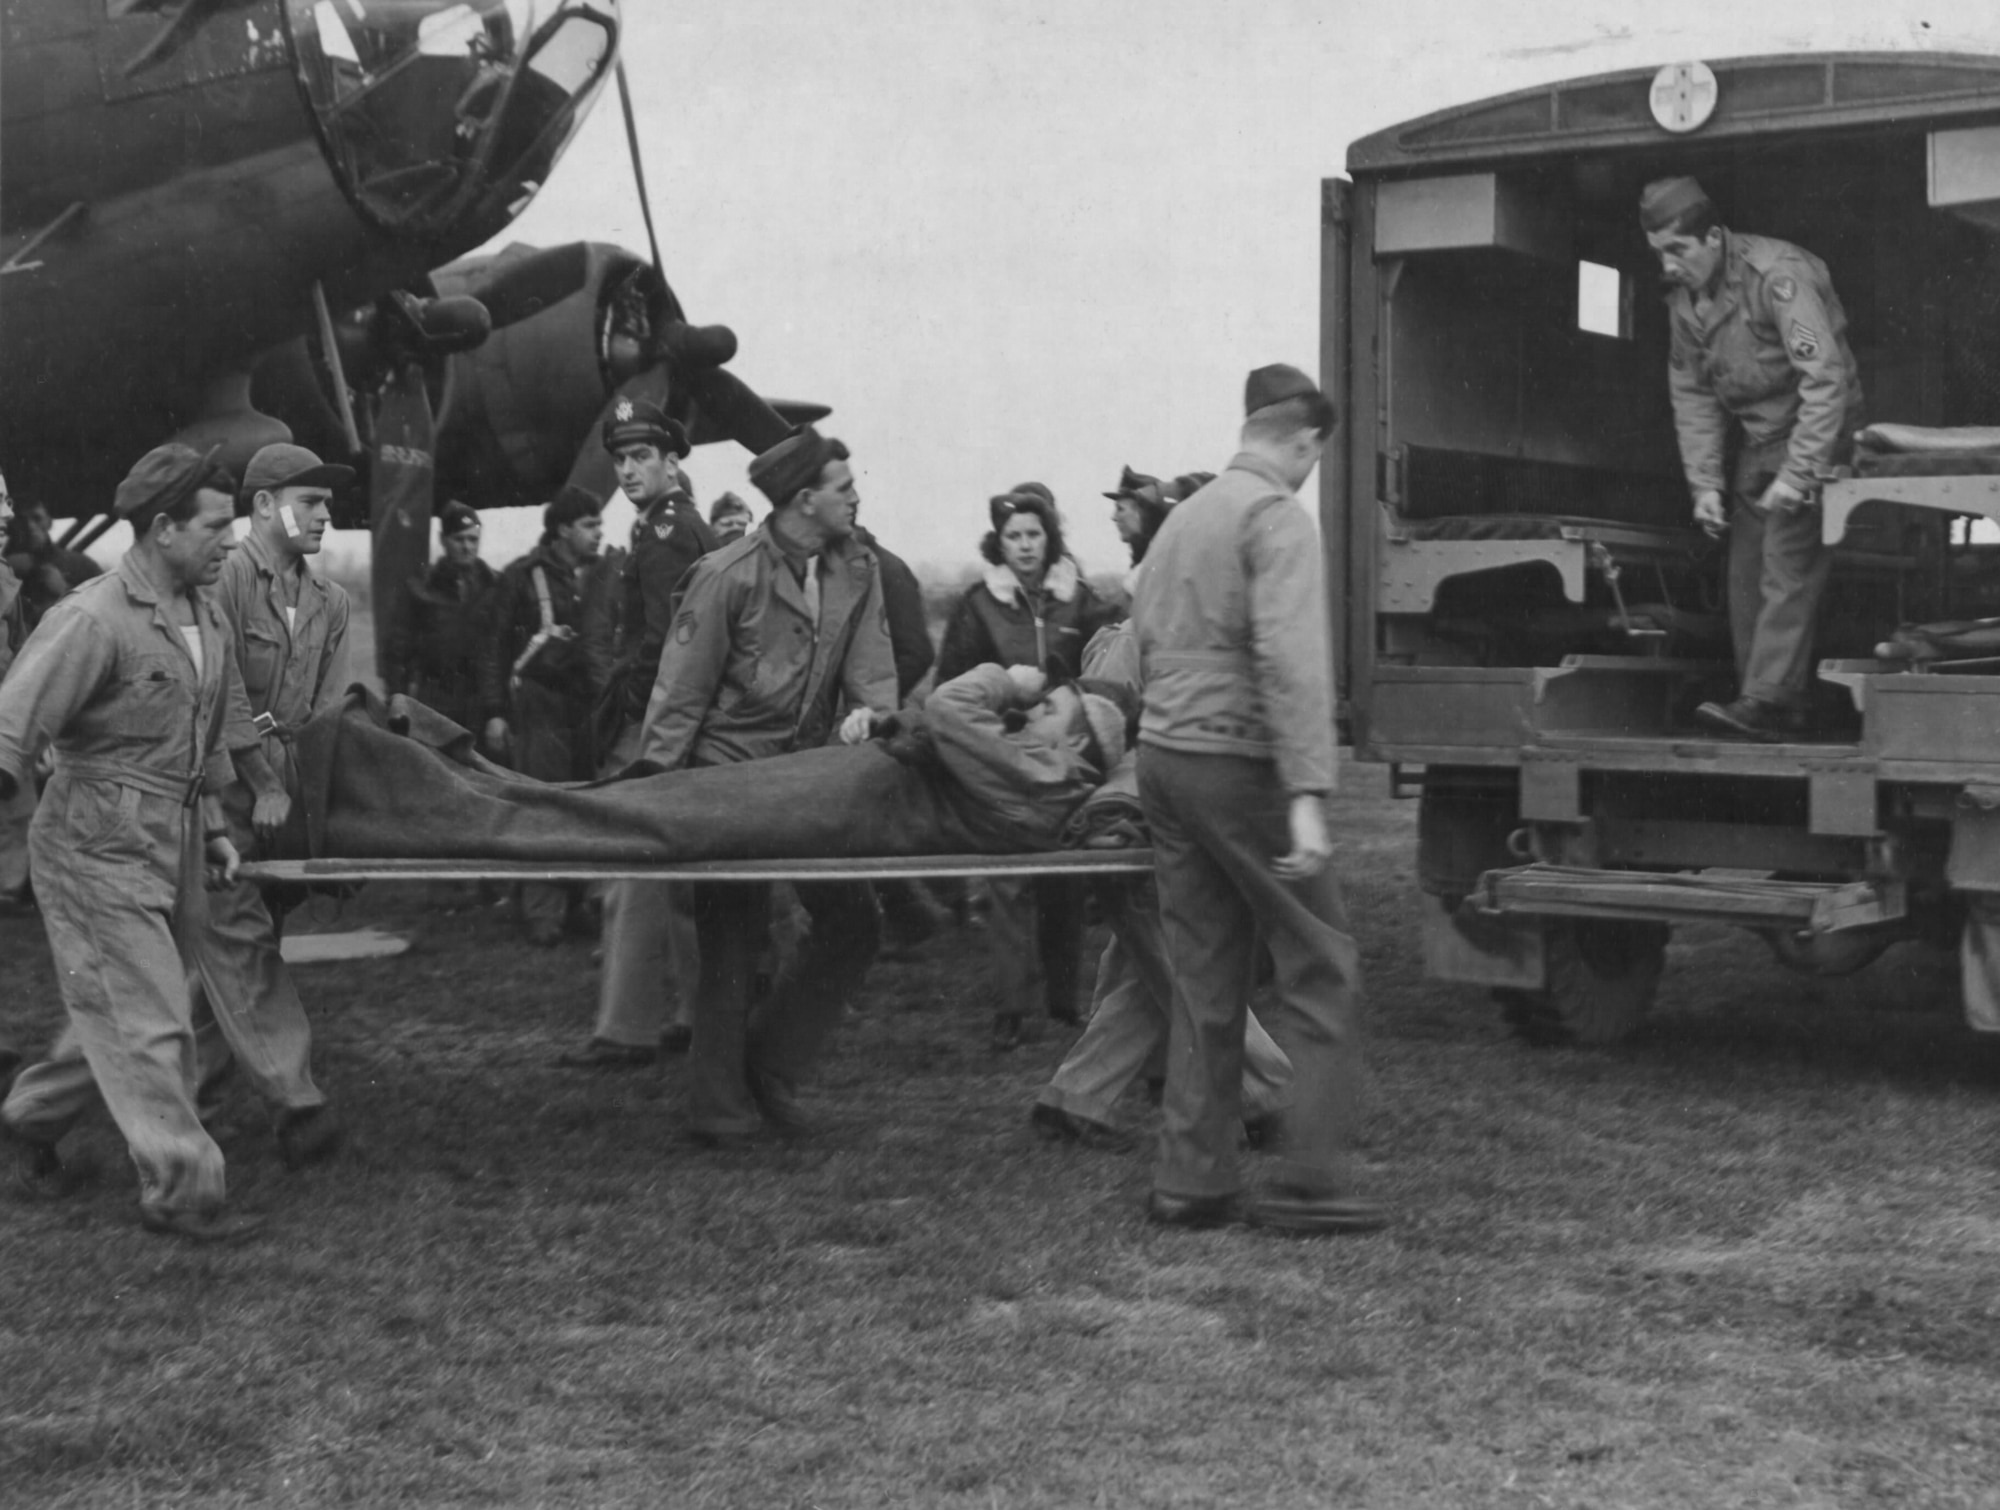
column 263, row 661
column 152, row 699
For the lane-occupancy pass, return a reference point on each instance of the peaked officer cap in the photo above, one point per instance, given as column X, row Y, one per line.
column 793, row 463
column 633, row 420
column 1273, row 385
column 1665, row 200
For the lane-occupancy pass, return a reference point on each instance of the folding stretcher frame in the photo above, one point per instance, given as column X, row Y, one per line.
column 1066, row 862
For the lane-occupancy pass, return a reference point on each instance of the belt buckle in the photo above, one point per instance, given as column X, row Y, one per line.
column 264, row 724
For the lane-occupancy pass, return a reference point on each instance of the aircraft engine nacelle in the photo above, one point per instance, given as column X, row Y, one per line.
column 517, row 410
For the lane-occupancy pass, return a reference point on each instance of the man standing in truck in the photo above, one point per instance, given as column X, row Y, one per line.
column 1759, row 346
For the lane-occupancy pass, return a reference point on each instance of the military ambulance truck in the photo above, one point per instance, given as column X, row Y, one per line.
column 1527, row 614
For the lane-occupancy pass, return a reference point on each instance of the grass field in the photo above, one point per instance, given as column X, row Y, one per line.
column 1748, row 1260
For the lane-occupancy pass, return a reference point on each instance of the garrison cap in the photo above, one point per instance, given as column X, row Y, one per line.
column 1186, row 486
column 167, row 476
column 1139, row 487
column 793, row 463
column 457, row 518
column 633, row 420
column 1273, row 385
column 1665, row 200
column 288, row 466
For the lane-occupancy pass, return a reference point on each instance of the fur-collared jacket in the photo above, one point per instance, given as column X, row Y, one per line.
column 1000, row 621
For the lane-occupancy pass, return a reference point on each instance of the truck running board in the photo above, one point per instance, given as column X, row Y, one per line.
column 1733, row 896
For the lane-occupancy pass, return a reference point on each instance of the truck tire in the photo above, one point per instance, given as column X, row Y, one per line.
column 1602, row 977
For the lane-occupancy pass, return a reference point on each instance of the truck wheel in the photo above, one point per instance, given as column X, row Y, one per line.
column 1602, row 976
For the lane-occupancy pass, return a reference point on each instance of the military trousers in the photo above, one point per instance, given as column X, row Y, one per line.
column 239, row 980
column 652, row 962
column 551, row 733
column 1035, row 933
column 1777, row 575
column 1127, row 1033
column 652, row 959
column 16, row 813
column 1218, row 821
column 115, row 868
column 784, row 1034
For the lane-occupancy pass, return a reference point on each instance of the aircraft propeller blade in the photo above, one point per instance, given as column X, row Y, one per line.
column 401, row 484
column 727, row 406
column 798, row 411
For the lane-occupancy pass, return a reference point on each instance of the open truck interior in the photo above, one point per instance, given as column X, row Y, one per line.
column 1530, row 614
column 1530, row 506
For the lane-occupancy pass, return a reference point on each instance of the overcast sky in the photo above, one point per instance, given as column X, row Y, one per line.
column 1010, row 240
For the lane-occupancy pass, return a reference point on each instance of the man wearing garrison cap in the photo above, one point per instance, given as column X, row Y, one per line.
column 1758, row 347
column 132, row 678
column 772, row 635
column 1236, row 757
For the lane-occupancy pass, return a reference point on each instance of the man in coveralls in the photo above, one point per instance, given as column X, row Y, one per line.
column 1759, row 345
column 649, row 935
column 1236, row 757
column 290, row 642
column 770, row 633
column 132, row 677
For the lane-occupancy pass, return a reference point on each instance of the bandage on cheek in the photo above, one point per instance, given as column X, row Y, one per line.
column 289, row 520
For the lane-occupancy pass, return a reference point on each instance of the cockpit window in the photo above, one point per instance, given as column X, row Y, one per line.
column 443, row 117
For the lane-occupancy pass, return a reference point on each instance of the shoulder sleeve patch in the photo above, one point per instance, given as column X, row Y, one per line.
column 684, row 628
column 1784, row 288
column 1804, row 341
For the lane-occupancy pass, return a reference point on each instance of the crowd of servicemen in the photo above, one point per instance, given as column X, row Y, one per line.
column 154, row 706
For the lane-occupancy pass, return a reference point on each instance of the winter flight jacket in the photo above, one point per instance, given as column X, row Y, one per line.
column 1230, row 615
column 1000, row 621
column 439, row 634
column 516, row 620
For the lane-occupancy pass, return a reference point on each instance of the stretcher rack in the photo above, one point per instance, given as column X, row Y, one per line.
column 1065, row 862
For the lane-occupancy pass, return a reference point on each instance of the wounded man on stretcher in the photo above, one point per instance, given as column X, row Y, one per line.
column 998, row 761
